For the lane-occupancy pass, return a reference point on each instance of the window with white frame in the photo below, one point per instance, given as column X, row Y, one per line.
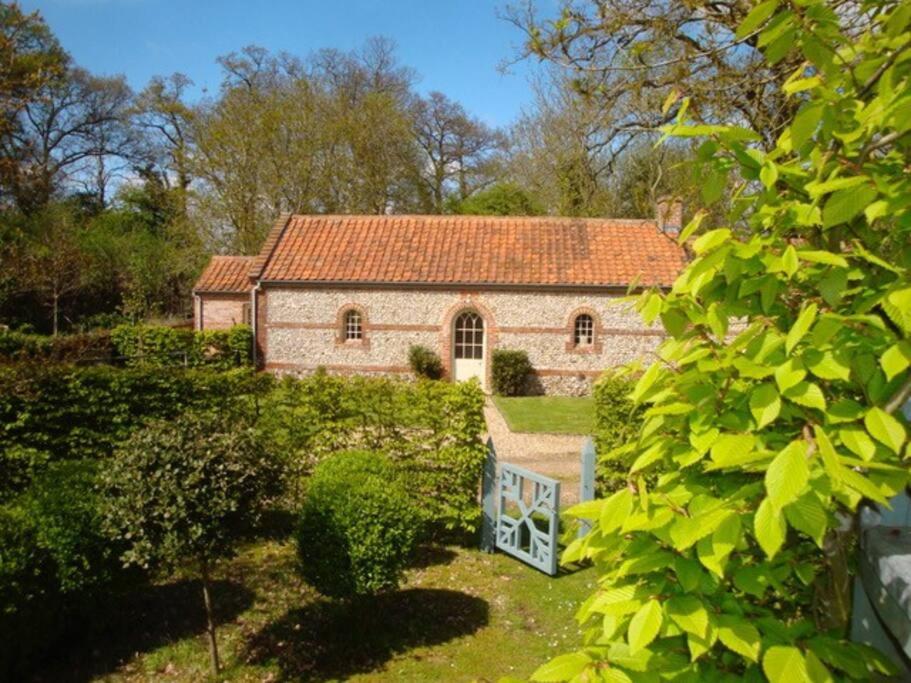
column 584, row 330
column 353, row 326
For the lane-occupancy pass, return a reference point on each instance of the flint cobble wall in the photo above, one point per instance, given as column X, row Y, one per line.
column 302, row 330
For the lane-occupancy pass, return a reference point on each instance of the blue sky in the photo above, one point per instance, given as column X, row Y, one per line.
column 454, row 45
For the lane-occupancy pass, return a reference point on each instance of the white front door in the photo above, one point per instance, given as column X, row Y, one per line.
column 468, row 347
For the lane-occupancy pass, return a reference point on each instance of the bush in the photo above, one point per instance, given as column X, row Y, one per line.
column 357, row 527
column 429, row 430
column 425, row 363
column 93, row 346
column 56, row 565
column 617, row 421
column 83, row 412
column 510, row 372
column 162, row 346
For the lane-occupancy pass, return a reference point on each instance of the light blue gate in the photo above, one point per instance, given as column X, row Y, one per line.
column 528, row 516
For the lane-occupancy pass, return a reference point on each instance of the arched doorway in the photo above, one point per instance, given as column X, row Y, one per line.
column 469, row 347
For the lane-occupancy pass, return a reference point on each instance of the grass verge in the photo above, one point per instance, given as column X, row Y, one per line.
column 549, row 414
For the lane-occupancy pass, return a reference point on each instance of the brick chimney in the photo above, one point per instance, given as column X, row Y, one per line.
column 669, row 215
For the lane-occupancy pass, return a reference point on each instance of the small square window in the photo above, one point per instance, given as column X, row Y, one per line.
column 584, row 330
column 353, row 328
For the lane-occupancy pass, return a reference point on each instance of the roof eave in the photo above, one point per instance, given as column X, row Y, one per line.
column 611, row 287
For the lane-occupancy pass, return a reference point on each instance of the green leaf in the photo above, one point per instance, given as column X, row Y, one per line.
column 826, row 257
column 858, row 442
column 805, row 123
column 770, row 528
column 562, row 668
column 711, row 240
column 844, row 205
column 806, row 394
column 807, row 515
column 788, row 474
column 789, row 374
column 756, row 18
column 896, row 359
column 827, row 364
column 800, row 327
column 784, row 664
column 645, row 382
column 765, row 404
column 616, row 509
column 729, row 447
column 644, row 626
column 688, row 612
column 768, row 174
column 885, row 429
column 713, row 550
column 740, row 636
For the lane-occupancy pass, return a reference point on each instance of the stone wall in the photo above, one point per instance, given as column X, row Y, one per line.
column 302, row 330
column 220, row 311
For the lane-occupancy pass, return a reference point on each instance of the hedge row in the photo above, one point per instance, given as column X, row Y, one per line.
column 87, row 346
column 617, row 422
column 159, row 346
column 430, row 430
column 65, row 412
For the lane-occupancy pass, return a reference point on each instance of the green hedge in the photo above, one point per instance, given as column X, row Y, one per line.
column 425, row 362
column 358, row 526
column 616, row 425
column 67, row 412
column 430, row 430
column 161, row 346
column 86, row 347
column 510, row 371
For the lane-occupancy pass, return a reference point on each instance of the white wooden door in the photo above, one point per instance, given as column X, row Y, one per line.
column 468, row 347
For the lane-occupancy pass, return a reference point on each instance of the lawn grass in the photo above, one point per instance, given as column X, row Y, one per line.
column 461, row 615
column 550, row 414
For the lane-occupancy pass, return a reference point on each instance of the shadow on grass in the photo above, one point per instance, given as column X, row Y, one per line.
column 430, row 555
column 139, row 621
column 334, row 640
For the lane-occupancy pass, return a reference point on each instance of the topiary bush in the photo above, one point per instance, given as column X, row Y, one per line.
column 357, row 527
column 510, row 372
column 617, row 421
column 425, row 362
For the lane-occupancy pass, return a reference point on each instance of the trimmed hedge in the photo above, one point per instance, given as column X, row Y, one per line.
column 617, row 422
column 430, row 431
column 65, row 412
column 89, row 346
column 161, row 346
column 510, row 372
column 358, row 526
column 425, row 362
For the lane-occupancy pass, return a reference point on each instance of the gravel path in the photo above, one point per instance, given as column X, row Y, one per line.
column 553, row 455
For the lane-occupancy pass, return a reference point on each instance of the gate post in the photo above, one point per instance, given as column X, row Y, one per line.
column 587, row 480
column 488, row 504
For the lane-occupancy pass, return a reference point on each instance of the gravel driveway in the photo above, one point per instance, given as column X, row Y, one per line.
column 553, row 455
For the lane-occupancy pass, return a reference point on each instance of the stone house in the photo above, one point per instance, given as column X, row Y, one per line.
column 352, row 294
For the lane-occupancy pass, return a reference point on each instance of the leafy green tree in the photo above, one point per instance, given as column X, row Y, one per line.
column 774, row 408
column 183, row 492
column 500, row 199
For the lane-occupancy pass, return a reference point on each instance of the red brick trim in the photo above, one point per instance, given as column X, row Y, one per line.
column 620, row 332
column 469, row 301
column 303, row 326
column 403, row 328
column 340, row 341
column 353, row 369
column 567, row 373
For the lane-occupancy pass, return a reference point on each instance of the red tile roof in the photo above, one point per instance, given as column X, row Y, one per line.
column 228, row 274
column 469, row 250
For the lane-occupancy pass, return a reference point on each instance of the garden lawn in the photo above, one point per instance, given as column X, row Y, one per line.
column 550, row 414
column 461, row 615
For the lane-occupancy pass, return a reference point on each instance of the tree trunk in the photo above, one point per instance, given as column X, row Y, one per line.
column 210, row 620
column 56, row 306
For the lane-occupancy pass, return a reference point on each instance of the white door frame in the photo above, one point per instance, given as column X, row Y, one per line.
column 470, row 367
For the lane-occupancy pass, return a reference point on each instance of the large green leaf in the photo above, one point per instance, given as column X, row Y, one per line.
column 844, row 205
column 688, row 612
column 896, row 359
column 806, row 394
column 756, row 18
column 800, row 327
column 885, row 428
column 714, row 550
column 739, row 635
column 784, row 664
column 765, row 404
column 562, row 668
column 770, row 528
column 615, row 510
column 644, row 626
column 788, row 474
column 789, row 374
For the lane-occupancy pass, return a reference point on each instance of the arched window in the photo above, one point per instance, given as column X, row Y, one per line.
column 584, row 330
column 353, row 329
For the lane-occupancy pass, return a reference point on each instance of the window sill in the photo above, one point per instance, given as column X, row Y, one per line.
column 588, row 349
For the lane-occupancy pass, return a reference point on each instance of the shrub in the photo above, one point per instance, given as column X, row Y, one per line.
column 185, row 491
column 510, row 372
column 617, row 421
column 163, row 346
column 93, row 346
column 56, row 566
column 357, row 527
column 425, row 362
column 429, row 430
column 83, row 412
